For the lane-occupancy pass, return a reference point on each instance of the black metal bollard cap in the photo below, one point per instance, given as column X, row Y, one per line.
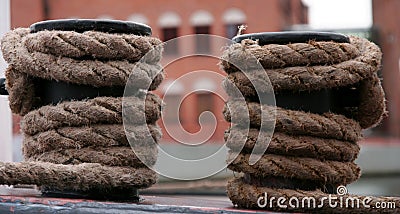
column 81, row 25
column 287, row 37
column 51, row 91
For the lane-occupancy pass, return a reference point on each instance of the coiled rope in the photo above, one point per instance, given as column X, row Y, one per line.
column 82, row 145
column 309, row 153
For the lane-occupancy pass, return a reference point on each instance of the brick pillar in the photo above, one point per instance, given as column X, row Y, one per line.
column 384, row 16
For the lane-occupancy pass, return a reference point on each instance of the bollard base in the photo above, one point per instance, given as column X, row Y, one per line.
column 120, row 195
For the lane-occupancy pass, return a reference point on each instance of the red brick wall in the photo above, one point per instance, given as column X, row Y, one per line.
column 261, row 16
column 385, row 18
column 24, row 13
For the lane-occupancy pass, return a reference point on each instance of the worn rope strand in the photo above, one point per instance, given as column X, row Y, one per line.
column 328, row 125
column 291, row 145
column 333, row 172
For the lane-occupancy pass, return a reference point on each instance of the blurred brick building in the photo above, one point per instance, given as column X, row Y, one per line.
column 171, row 19
column 386, row 23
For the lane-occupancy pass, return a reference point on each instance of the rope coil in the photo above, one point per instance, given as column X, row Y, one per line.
column 328, row 125
column 81, row 145
column 308, row 68
column 315, row 151
column 83, row 177
column 106, row 110
column 93, row 136
column 95, row 45
column 97, row 73
column 328, row 172
column 292, row 145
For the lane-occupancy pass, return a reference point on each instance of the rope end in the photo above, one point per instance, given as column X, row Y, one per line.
column 241, row 28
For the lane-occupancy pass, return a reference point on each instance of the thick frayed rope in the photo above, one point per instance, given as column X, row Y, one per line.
column 246, row 196
column 100, row 110
column 82, row 177
column 82, row 145
column 368, row 113
column 290, row 55
column 96, row 45
column 94, row 136
column 248, row 55
column 332, row 172
column 107, row 156
column 79, row 71
column 307, row 150
column 21, row 91
column 106, row 70
column 291, row 145
column 328, row 125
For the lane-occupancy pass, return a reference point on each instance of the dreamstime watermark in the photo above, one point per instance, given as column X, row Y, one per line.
column 339, row 200
column 194, row 160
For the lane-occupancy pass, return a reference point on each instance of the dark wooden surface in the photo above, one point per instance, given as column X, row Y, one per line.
column 30, row 201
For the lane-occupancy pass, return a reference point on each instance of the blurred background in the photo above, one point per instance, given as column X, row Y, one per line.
column 376, row 20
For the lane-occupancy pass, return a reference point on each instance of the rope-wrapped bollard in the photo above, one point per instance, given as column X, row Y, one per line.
column 312, row 150
column 80, row 145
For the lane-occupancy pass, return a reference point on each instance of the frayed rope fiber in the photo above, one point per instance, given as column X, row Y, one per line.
column 95, row 45
column 328, row 125
column 83, row 177
column 307, row 154
column 109, row 156
column 100, row 110
column 246, row 54
column 93, row 136
column 308, row 67
column 292, row 145
column 329, row 172
column 82, row 145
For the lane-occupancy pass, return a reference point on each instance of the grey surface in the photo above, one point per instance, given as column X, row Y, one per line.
column 150, row 204
column 376, row 186
column 380, row 168
column 379, row 159
column 380, row 165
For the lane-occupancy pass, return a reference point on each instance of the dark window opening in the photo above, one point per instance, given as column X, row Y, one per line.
column 286, row 8
column 170, row 33
column 205, row 102
column 303, row 14
column 202, row 42
column 172, row 109
column 231, row 30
